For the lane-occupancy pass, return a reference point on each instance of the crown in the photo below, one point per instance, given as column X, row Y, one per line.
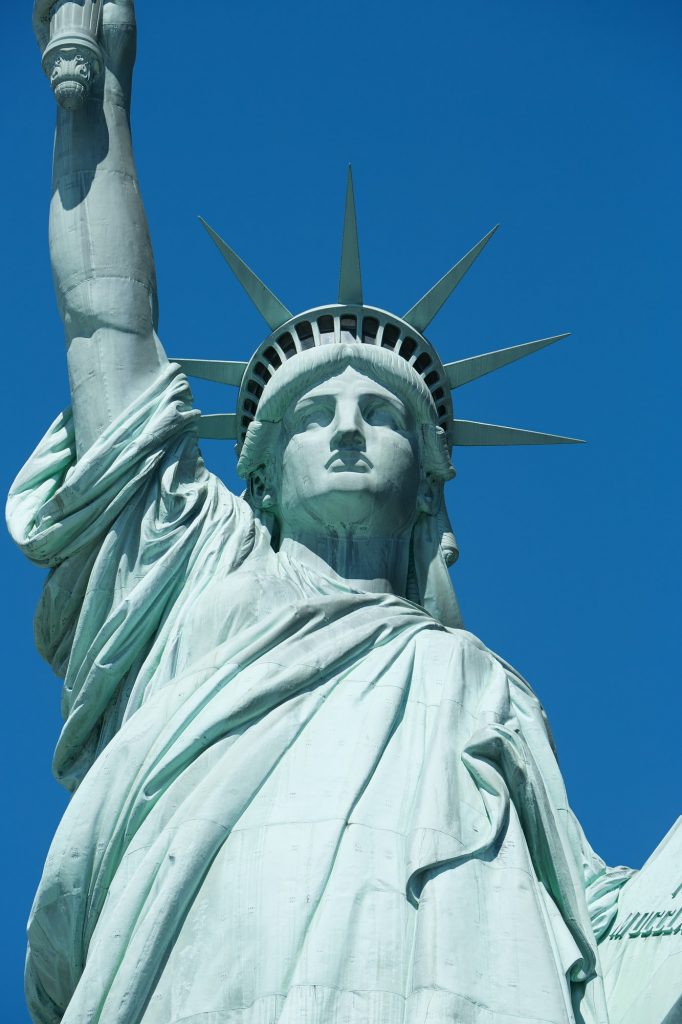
column 351, row 321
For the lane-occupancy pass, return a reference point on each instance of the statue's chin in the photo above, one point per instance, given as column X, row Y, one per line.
column 348, row 505
column 348, row 478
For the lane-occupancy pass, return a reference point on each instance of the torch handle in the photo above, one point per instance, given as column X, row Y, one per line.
column 72, row 58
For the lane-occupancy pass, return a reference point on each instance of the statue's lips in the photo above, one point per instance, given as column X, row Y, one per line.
column 348, row 460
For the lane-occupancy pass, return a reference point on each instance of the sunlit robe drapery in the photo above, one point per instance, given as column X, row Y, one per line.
column 294, row 801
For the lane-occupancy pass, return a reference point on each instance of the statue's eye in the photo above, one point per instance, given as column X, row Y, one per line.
column 380, row 413
column 313, row 414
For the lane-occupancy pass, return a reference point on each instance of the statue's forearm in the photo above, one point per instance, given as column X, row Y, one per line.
column 102, row 262
column 98, row 229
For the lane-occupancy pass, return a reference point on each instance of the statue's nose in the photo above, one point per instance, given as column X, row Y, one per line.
column 348, row 432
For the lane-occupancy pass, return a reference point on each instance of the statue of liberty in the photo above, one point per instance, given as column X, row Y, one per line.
column 302, row 791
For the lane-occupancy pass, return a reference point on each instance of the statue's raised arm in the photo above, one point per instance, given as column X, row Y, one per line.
column 100, row 248
column 115, row 500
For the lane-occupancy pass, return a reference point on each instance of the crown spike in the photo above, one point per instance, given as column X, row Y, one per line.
column 350, row 279
column 220, row 426
column 218, row 370
column 469, row 432
column 267, row 304
column 466, row 370
column 423, row 312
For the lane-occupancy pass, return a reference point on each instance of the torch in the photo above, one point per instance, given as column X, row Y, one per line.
column 73, row 59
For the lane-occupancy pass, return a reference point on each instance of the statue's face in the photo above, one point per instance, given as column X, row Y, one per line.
column 350, row 460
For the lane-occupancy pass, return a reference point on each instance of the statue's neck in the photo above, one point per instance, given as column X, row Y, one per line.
column 377, row 565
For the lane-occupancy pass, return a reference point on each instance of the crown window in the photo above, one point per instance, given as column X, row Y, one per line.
column 390, row 337
column 272, row 357
column 370, row 329
column 305, row 334
column 349, row 323
column 325, row 324
column 408, row 347
column 287, row 344
column 422, row 362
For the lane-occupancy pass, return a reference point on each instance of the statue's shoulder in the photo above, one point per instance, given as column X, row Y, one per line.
column 514, row 675
column 472, row 650
column 470, row 645
column 459, row 647
column 249, row 586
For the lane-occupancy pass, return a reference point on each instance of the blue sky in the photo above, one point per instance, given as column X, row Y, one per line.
column 558, row 120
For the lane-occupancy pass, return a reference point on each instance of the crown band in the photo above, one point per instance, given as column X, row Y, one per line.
column 346, row 325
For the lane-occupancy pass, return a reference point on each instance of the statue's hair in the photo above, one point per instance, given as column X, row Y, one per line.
column 310, row 368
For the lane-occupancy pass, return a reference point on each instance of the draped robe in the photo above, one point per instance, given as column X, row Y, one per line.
column 292, row 801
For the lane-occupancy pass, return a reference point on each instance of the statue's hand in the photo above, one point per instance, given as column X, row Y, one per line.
column 118, row 36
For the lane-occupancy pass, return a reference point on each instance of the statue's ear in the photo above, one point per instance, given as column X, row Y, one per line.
column 432, row 552
column 430, row 495
column 260, row 490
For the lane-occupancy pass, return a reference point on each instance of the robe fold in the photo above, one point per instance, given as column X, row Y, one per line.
column 292, row 801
